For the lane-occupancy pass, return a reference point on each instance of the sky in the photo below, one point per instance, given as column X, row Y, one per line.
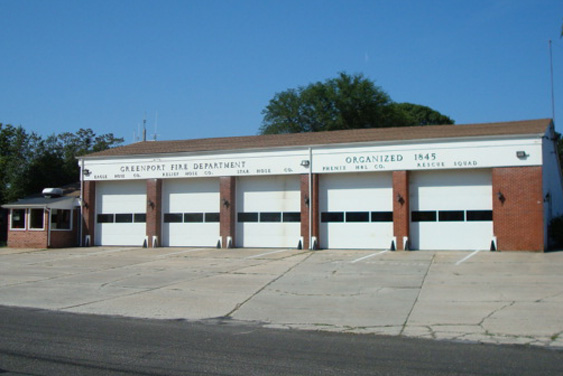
column 208, row 68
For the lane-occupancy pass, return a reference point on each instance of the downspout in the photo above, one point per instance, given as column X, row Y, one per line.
column 81, row 219
column 48, row 210
column 310, row 198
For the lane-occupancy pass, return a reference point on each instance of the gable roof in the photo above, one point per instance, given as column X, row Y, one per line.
column 513, row 128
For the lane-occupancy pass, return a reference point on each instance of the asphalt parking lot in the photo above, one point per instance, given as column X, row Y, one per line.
column 492, row 297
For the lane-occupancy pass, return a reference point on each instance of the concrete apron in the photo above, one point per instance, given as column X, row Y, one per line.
column 488, row 297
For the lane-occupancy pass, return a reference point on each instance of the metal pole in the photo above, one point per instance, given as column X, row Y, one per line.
column 552, row 94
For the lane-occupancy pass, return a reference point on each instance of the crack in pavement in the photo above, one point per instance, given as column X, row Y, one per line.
column 417, row 295
column 239, row 305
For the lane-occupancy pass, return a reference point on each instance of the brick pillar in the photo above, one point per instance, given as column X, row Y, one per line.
column 401, row 207
column 154, row 211
column 518, row 208
column 313, row 203
column 227, row 210
column 89, row 211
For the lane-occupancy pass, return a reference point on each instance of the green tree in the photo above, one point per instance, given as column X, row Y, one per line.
column 417, row 114
column 29, row 163
column 344, row 102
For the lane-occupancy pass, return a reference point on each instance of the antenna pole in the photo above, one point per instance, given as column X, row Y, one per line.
column 145, row 128
column 551, row 76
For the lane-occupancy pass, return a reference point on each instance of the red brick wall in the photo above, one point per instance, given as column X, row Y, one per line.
column 401, row 209
column 29, row 238
column 89, row 210
column 227, row 211
column 62, row 239
column 154, row 211
column 518, row 218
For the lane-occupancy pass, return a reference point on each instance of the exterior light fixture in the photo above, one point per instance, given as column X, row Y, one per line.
column 226, row 203
column 306, row 200
column 521, row 154
column 305, row 163
column 86, row 172
column 501, row 197
column 400, row 199
column 150, row 203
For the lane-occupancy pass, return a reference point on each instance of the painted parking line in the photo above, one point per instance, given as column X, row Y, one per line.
column 265, row 254
column 467, row 257
column 368, row 256
column 181, row 252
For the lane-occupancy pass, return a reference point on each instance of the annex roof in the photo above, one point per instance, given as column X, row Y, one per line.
column 513, row 128
column 43, row 203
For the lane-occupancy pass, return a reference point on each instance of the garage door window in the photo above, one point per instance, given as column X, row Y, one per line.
column 191, row 217
column 423, row 216
column 360, row 216
column 451, row 216
column 479, row 215
column 124, row 218
column 268, row 217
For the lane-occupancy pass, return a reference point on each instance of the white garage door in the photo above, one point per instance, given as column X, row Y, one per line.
column 451, row 210
column 121, row 213
column 190, row 209
column 356, row 211
column 268, row 212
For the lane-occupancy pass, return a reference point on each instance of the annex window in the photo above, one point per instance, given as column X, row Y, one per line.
column 61, row 219
column 36, row 219
column 18, row 219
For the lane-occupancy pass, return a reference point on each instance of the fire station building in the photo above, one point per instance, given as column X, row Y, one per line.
column 453, row 187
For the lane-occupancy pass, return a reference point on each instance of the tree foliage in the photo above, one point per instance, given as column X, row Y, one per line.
column 29, row 163
column 344, row 102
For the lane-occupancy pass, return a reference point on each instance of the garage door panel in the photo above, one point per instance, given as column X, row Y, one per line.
column 191, row 212
column 451, row 210
column 120, row 213
column 356, row 210
column 268, row 211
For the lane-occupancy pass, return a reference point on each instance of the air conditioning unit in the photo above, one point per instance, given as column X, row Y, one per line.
column 52, row 192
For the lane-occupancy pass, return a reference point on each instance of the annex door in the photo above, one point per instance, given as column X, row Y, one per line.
column 268, row 211
column 451, row 209
column 121, row 213
column 356, row 210
column 190, row 212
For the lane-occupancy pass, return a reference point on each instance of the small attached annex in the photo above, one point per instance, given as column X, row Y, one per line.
column 49, row 220
column 493, row 186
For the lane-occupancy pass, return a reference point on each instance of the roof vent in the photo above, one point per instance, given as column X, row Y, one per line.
column 52, row 192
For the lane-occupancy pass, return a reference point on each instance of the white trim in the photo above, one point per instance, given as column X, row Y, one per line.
column 62, row 229
column 29, row 228
column 24, row 220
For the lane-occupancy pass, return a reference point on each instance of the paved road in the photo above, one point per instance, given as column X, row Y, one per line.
column 37, row 342
column 488, row 297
